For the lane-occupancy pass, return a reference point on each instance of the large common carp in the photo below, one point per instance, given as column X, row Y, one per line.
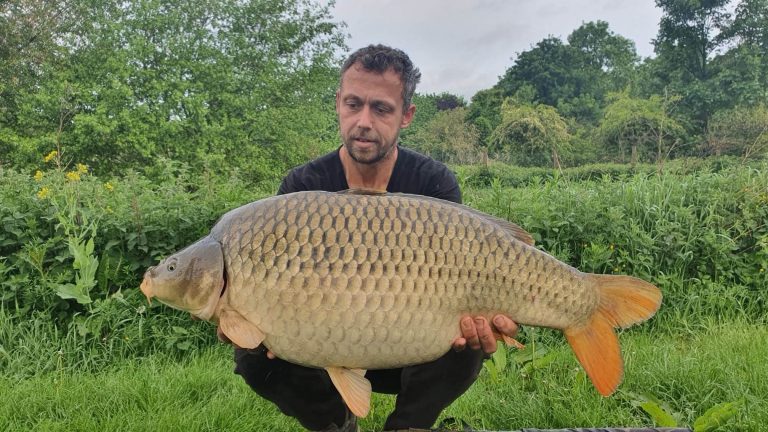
column 360, row 280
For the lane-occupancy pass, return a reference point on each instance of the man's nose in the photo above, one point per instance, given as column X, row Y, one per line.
column 365, row 121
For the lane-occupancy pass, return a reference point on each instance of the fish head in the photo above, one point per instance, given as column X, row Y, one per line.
column 191, row 280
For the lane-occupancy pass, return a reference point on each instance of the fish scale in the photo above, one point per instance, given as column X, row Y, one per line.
column 363, row 280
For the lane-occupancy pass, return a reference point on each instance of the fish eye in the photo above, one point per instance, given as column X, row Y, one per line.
column 171, row 267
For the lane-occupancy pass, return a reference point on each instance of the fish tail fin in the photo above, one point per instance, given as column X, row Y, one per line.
column 624, row 300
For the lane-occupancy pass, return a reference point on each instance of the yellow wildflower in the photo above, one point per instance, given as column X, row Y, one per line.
column 108, row 186
column 38, row 175
column 82, row 169
column 73, row 176
column 50, row 156
column 43, row 193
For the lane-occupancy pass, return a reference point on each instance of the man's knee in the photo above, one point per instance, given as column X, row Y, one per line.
column 306, row 394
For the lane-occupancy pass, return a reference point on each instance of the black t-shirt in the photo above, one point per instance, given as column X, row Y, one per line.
column 414, row 173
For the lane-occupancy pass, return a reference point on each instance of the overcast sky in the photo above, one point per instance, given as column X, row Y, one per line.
column 462, row 46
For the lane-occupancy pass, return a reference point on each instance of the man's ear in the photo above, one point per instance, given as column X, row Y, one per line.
column 337, row 100
column 408, row 116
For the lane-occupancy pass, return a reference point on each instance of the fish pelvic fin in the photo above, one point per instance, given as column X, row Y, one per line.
column 239, row 330
column 624, row 300
column 353, row 387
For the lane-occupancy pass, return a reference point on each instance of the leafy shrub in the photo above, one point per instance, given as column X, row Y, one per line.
column 72, row 251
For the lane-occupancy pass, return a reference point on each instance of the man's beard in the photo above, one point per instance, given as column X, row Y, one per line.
column 381, row 151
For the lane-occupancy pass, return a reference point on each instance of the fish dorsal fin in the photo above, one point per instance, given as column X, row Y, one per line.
column 239, row 330
column 516, row 230
column 363, row 191
column 353, row 388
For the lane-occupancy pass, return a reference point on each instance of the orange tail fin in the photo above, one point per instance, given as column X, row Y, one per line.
column 624, row 301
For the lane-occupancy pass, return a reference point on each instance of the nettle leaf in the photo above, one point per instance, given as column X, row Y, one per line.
column 72, row 291
column 717, row 416
column 499, row 358
column 184, row 346
column 538, row 363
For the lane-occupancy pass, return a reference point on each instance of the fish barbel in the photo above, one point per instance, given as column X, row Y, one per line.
column 360, row 280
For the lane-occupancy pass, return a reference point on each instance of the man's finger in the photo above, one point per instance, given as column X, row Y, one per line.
column 459, row 344
column 485, row 334
column 469, row 332
column 505, row 326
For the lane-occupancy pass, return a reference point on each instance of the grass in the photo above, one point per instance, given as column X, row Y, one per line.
column 690, row 373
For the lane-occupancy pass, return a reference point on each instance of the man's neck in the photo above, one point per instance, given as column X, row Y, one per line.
column 368, row 176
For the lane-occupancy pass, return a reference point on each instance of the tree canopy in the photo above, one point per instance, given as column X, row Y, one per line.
column 225, row 84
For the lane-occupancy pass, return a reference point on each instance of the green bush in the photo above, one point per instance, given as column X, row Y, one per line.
column 703, row 238
column 73, row 247
column 479, row 176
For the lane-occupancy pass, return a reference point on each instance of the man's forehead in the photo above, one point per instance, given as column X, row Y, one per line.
column 358, row 71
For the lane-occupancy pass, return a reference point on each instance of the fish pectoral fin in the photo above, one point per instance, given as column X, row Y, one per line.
column 353, row 387
column 509, row 341
column 239, row 330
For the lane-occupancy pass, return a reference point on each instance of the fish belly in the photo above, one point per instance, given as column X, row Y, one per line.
column 375, row 282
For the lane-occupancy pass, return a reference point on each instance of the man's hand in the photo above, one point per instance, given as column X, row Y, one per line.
column 477, row 333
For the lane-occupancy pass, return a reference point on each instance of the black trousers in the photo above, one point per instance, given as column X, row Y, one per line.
column 307, row 394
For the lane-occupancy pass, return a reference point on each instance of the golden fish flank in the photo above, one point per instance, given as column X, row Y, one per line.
column 354, row 281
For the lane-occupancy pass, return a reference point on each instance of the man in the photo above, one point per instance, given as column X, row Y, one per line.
column 373, row 103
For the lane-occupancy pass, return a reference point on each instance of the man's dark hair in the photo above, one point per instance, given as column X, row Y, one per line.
column 380, row 58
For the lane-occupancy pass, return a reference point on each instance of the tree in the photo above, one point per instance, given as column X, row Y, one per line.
column 427, row 107
column 749, row 30
column 225, row 84
column 641, row 124
column 602, row 50
column 549, row 68
column 448, row 138
column 28, row 51
column 531, row 134
column 484, row 112
column 740, row 131
column 689, row 36
column 573, row 77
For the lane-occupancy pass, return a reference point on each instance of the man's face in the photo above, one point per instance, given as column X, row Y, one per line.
column 370, row 109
